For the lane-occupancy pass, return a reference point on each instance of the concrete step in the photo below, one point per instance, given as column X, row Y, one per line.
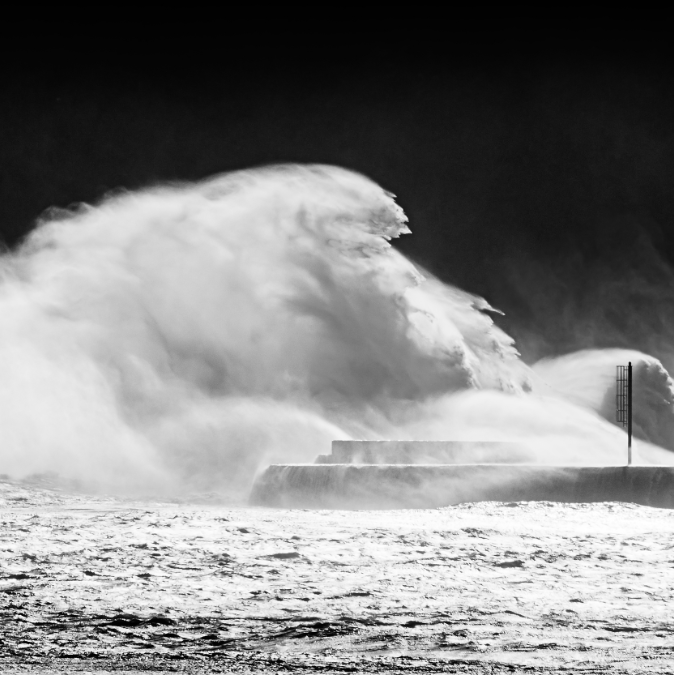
column 422, row 452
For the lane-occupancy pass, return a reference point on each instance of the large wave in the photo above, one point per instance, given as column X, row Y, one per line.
column 182, row 336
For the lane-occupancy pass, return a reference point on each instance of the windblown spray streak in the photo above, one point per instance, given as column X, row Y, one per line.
column 186, row 335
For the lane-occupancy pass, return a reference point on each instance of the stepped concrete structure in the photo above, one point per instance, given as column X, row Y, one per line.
column 417, row 452
column 424, row 474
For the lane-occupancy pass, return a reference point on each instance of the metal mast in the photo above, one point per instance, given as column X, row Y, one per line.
column 629, row 413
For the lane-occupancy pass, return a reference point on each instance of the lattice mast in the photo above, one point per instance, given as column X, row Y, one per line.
column 623, row 400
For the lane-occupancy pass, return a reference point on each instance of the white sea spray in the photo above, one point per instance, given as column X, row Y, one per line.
column 181, row 337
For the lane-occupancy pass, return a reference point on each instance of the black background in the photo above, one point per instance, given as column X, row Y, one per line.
column 537, row 173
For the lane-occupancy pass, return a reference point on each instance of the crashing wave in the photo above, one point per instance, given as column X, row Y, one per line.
column 182, row 336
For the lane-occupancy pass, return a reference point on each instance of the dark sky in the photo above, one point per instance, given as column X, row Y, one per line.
column 536, row 175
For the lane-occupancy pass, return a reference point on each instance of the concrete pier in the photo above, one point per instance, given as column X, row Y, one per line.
column 386, row 486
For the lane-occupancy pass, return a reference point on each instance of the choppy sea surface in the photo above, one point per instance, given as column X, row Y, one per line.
column 99, row 583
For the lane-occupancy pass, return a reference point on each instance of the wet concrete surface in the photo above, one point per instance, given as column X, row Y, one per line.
column 391, row 486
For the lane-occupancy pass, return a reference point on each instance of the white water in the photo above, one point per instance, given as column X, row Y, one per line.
column 180, row 338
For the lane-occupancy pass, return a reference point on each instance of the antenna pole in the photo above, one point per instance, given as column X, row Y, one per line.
column 629, row 414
